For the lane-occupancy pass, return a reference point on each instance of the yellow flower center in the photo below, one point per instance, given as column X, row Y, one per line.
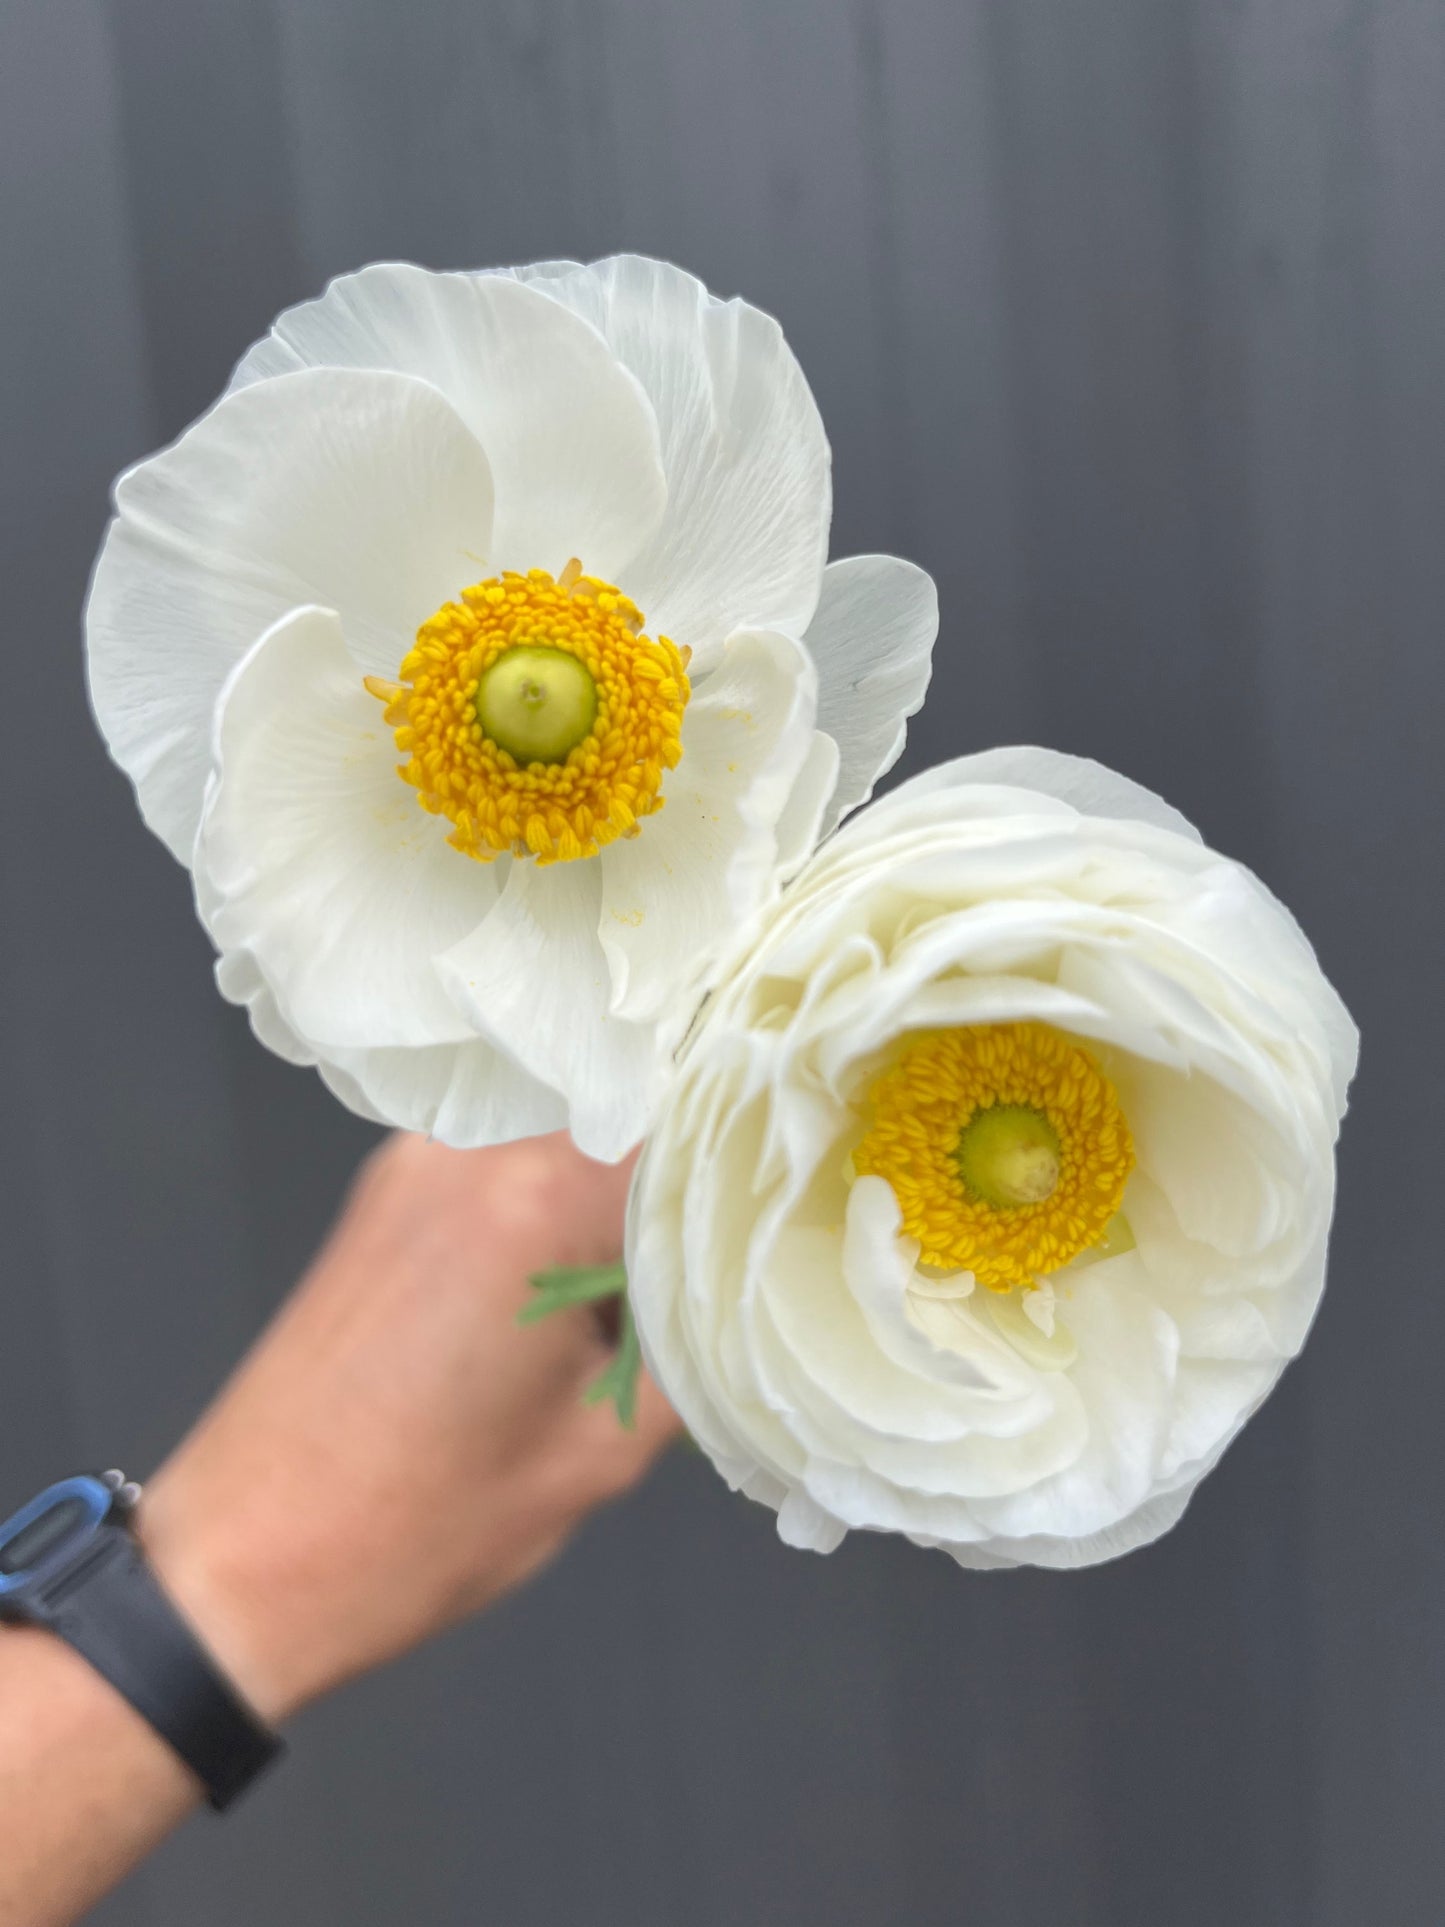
column 537, row 716
column 1005, row 1147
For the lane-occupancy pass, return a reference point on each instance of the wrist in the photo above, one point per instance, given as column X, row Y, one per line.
column 209, row 1551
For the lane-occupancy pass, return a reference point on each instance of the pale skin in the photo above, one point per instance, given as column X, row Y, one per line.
column 394, row 1454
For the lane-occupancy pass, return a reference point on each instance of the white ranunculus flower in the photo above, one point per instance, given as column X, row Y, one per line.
column 992, row 1194
column 553, row 542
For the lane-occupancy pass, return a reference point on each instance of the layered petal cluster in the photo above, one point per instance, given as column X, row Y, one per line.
column 864, row 1312
column 405, row 481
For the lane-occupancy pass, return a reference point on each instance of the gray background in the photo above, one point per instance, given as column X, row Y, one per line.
column 1127, row 318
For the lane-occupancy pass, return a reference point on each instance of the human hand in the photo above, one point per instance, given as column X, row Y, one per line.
column 397, row 1451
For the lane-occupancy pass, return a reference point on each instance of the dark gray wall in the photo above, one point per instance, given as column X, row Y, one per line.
column 1127, row 318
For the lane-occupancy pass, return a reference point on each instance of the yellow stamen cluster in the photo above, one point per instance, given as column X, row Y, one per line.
column 607, row 781
column 1005, row 1147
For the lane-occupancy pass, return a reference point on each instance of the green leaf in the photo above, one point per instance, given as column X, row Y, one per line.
column 565, row 1286
column 568, row 1285
column 619, row 1381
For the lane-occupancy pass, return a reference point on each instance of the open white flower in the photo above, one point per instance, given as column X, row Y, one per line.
column 551, row 541
column 992, row 1194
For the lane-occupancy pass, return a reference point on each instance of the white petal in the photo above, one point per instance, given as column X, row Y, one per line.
column 1021, row 1424
column 464, row 1095
column 533, row 980
column 1232, row 1178
column 800, row 827
column 745, row 535
column 674, row 891
column 1143, row 1526
column 891, row 1413
column 654, row 1260
column 803, row 1524
column 1213, row 1401
column 1124, row 1375
column 239, row 979
column 571, row 438
column 1038, row 1306
column 943, row 793
column 872, row 639
column 317, row 861
column 362, row 493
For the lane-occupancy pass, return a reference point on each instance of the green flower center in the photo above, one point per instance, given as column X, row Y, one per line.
column 1009, row 1156
column 537, row 703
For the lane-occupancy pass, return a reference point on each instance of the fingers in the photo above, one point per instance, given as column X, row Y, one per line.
column 465, row 1230
column 538, row 1202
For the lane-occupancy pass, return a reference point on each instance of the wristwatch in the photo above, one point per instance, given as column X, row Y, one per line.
column 70, row 1561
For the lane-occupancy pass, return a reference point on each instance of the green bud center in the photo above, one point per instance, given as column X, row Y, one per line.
column 537, row 703
column 1008, row 1156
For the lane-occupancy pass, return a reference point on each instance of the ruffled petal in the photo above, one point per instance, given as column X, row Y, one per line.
column 825, row 1369
column 745, row 535
column 316, row 862
column 1141, row 1528
column 672, row 892
column 872, row 639
column 959, row 789
column 1124, row 1376
column 363, row 493
column 533, row 980
column 570, row 435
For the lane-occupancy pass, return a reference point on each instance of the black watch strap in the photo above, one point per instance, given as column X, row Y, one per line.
column 112, row 1609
